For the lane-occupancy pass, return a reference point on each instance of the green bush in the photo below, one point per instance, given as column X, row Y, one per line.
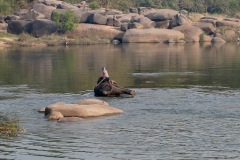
column 94, row 5
column 10, row 127
column 66, row 21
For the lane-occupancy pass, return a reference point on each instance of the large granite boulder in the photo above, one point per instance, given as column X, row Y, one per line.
column 212, row 21
column 162, row 24
column 225, row 23
column 229, row 35
column 151, row 35
column 99, row 30
column 208, row 28
column 218, row 40
column 181, row 19
column 43, row 27
column 83, row 109
column 161, row 14
column 134, row 25
column 79, row 14
column 91, row 101
column 53, row 3
column 65, row 5
column 98, row 19
column 146, row 22
column 33, row 15
column 44, row 9
column 191, row 33
column 17, row 26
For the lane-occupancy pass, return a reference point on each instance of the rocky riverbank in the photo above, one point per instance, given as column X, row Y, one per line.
column 35, row 26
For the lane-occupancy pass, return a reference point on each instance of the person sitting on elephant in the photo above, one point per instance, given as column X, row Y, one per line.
column 105, row 77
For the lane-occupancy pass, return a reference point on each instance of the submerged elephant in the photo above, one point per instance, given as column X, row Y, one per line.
column 110, row 88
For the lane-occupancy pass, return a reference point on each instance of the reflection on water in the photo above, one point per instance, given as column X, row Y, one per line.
column 74, row 69
column 186, row 107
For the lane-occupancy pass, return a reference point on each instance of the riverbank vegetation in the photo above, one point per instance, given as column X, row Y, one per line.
column 10, row 127
column 228, row 7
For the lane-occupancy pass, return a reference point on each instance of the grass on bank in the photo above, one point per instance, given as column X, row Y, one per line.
column 75, row 37
column 10, row 128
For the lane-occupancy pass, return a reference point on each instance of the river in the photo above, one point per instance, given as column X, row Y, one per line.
column 187, row 104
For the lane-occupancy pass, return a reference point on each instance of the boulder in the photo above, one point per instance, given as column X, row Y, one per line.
column 124, row 26
column 91, row 101
column 110, row 21
column 181, row 19
column 162, row 24
column 99, row 30
column 232, row 19
column 79, row 14
column 116, row 22
column 43, row 27
column 145, row 10
column 80, row 111
column 11, row 18
column 218, row 34
column 65, row 5
column 161, row 14
column 55, row 115
column 191, row 33
column 230, row 35
column 44, row 9
column 208, row 17
column 98, row 19
column 53, row 3
column 21, row 12
column 150, row 35
column 212, row 21
column 208, row 28
column 146, row 22
column 33, row 15
column 113, row 12
column 218, row 40
column 205, row 38
column 16, row 26
column 227, row 24
column 135, row 25
column 126, row 18
column 133, row 10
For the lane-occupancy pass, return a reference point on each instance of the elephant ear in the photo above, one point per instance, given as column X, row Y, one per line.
column 106, row 89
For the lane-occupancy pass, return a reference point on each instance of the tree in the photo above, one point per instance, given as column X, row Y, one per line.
column 66, row 21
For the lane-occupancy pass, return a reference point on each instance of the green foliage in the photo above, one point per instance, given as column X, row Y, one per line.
column 10, row 128
column 66, row 21
column 5, row 7
column 94, row 5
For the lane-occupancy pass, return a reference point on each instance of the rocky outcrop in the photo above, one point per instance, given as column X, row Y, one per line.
column 218, row 40
column 44, row 27
column 17, row 26
column 151, row 35
column 82, row 109
column 227, row 24
column 161, row 14
column 115, row 23
column 208, row 28
column 99, row 30
column 44, row 9
column 33, row 15
column 98, row 19
column 191, row 33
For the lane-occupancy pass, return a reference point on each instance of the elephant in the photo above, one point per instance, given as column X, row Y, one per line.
column 110, row 88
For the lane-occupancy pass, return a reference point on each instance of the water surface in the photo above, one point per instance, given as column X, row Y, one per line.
column 186, row 107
